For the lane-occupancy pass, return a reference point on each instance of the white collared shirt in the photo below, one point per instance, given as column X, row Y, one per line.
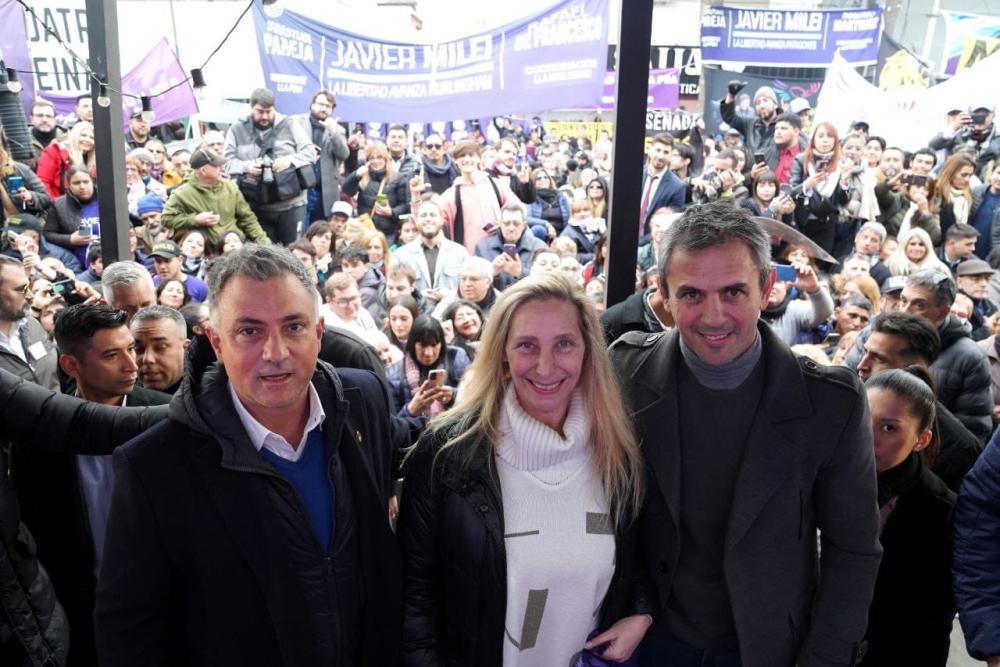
column 261, row 437
column 15, row 344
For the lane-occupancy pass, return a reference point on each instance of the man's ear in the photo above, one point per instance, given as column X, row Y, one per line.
column 69, row 365
column 215, row 340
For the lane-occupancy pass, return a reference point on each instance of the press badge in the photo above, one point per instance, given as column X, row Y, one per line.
column 37, row 350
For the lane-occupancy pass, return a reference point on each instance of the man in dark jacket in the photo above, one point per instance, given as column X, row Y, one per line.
column 898, row 340
column 733, row 506
column 962, row 371
column 65, row 498
column 510, row 266
column 506, row 166
column 758, row 132
column 977, row 552
column 250, row 527
column 642, row 311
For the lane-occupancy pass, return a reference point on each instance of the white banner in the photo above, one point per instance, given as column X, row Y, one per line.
column 907, row 119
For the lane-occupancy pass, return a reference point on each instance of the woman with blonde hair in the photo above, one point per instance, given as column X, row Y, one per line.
column 76, row 150
column 379, row 254
column 914, row 253
column 858, row 286
column 523, row 472
column 954, row 195
column 381, row 193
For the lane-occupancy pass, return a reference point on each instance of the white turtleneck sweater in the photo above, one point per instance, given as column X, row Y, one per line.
column 559, row 538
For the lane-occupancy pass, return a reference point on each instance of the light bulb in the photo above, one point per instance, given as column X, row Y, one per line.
column 198, row 83
column 13, row 85
column 102, row 96
column 148, row 114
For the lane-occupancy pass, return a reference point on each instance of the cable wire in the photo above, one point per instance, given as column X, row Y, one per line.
column 97, row 79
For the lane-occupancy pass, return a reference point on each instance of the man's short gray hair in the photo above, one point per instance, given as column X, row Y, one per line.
column 942, row 287
column 161, row 313
column 715, row 224
column 257, row 262
column 479, row 265
column 876, row 228
column 123, row 273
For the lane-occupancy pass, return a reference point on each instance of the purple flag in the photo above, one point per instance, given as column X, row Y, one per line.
column 158, row 70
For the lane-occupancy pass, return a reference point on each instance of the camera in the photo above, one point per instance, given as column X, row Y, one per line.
column 267, row 175
column 713, row 179
column 979, row 119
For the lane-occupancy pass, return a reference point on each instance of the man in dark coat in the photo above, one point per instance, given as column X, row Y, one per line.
column 961, row 372
column 64, row 498
column 734, row 505
column 330, row 139
column 509, row 267
column 251, row 527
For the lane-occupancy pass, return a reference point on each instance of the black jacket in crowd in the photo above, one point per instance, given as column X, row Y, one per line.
column 451, row 534
column 910, row 619
column 210, row 557
column 33, row 625
column 53, row 508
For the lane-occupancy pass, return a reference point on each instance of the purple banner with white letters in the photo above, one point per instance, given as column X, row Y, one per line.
column 797, row 38
column 14, row 48
column 552, row 60
column 664, row 89
column 156, row 72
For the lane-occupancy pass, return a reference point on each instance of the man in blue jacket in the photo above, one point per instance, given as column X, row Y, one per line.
column 250, row 527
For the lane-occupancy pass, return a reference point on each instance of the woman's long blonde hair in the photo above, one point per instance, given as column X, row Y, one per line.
column 76, row 154
column 901, row 265
column 476, row 414
column 948, row 170
column 378, row 149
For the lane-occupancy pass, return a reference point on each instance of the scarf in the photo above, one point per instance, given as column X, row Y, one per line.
column 192, row 265
column 500, row 169
column 776, row 312
column 827, row 187
column 412, row 372
column 44, row 138
column 448, row 168
column 959, row 206
column 590, row 226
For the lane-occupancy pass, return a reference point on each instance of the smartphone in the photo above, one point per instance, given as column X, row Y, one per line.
column 918, row 179
column 490, row 227
column 785, row 189
column 85, row 229
column 784, row 273
column 510, row 249
column 63, row 286
column 906, row 178
column 758, row 158
column 14, row 183
column 978, row 119
column 382, row 199
column 436, row 376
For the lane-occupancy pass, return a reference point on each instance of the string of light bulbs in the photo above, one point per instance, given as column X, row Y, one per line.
column 196, row 77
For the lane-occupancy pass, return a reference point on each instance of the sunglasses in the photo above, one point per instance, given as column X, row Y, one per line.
column 434, row 145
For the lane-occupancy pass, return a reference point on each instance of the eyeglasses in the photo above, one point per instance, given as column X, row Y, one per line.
column 434, row 146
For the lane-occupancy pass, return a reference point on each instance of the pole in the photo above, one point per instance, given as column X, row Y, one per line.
column 102, row 27
column 631, row 89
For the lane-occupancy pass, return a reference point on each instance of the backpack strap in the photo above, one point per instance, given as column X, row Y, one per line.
column 458, row 227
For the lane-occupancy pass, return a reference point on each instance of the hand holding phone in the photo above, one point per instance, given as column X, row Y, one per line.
column 436, row 377
column 510, row 249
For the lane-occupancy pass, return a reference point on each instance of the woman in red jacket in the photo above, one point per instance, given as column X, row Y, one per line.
column 57, row 158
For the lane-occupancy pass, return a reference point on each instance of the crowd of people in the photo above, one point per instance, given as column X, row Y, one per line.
column 326, row 313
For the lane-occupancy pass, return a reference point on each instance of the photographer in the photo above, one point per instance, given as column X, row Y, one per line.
column 30, row 228
column 912, row 201
column 720, row 180
column 758, row 132
column 272, row 161
column 975, row 130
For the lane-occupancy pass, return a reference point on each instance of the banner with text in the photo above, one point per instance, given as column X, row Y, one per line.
column 664, row 89
column 687, row 59
column 730, row 35
column 786, row 90
column 552, row 60
column 958, row 28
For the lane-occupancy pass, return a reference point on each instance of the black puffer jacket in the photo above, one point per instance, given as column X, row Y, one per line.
column 451, row 533
column 32, row 623
column 63, row 219
column 962, row 375
column 397, row 192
